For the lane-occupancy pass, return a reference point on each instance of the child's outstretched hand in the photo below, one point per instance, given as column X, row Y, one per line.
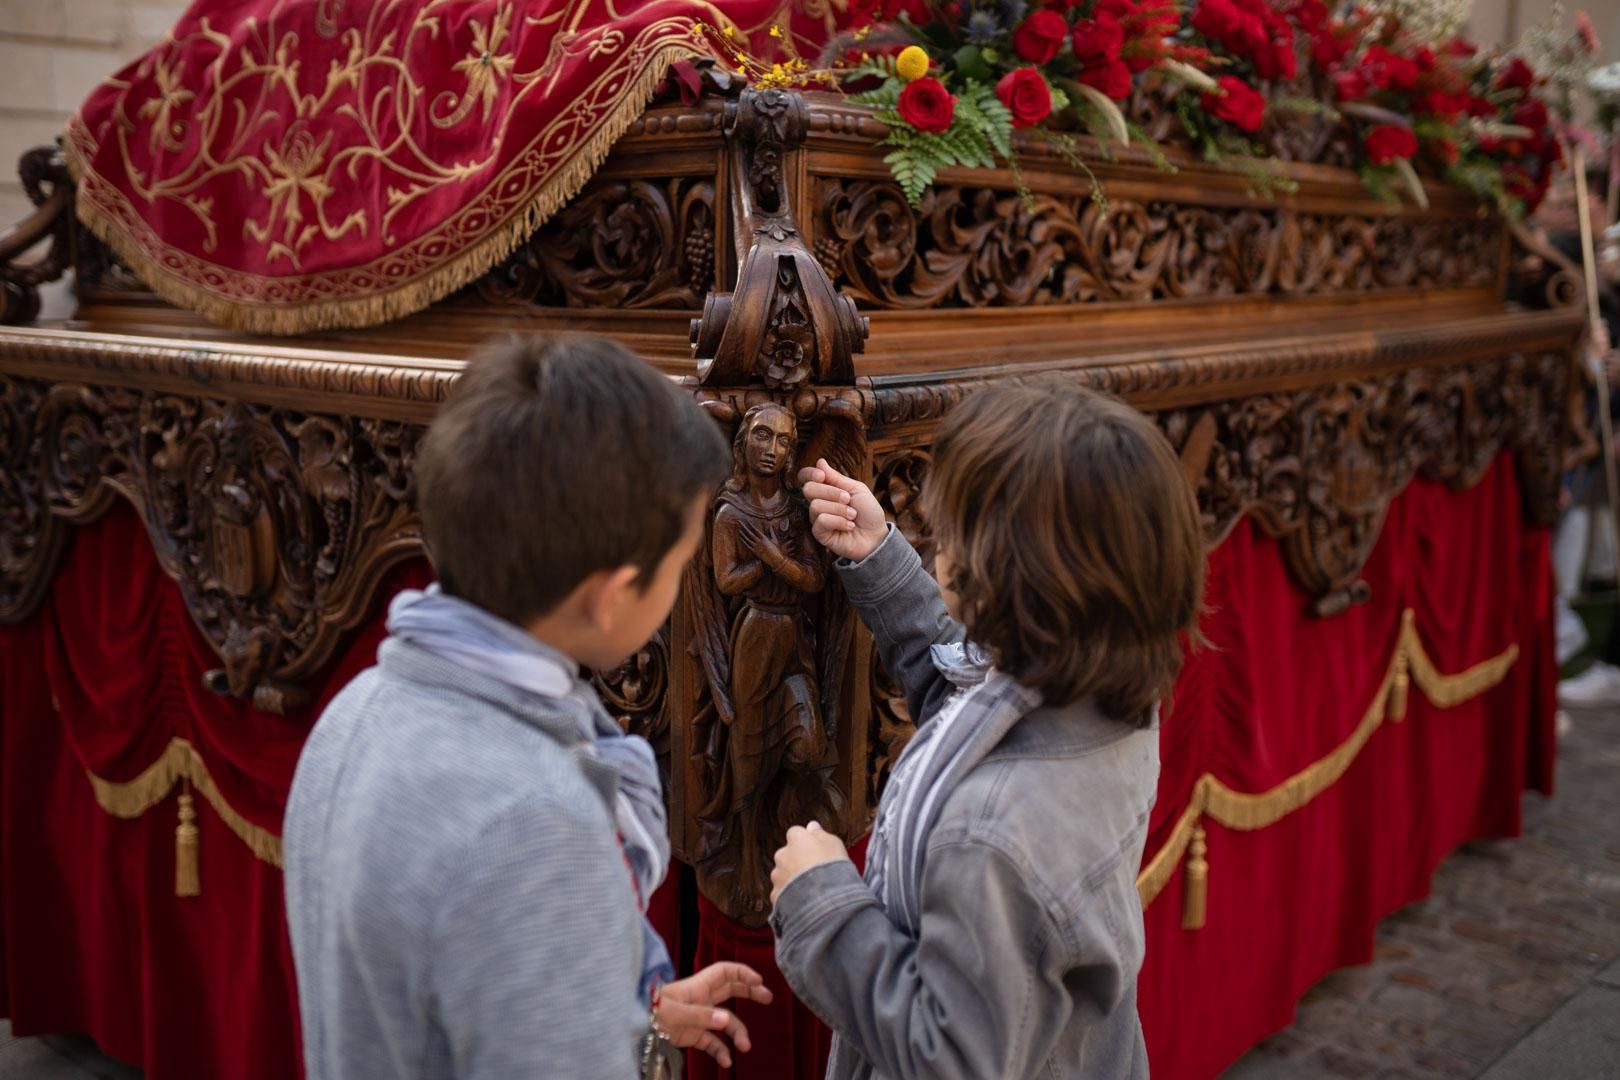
column 806, row 846
column 845, row 516
column 686, row 1009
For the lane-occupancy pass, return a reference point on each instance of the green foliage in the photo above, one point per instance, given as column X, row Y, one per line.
column 1377, row 179
column 1069, row 149
column 980, row 130
column 1155, row 152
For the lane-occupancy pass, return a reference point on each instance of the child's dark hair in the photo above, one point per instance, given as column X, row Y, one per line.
column 1073, row 540
column 554, row 458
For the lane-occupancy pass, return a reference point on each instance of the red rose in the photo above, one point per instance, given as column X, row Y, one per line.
column 1424, row 58
column 1039, row 37
column 1444, row 105
column 1459, row 48
column 1531, row 114
column 1478, row 106
column 1238, row 104
column 1117, row 10
column 1445, row 150
column 1098, row 40
column 1517, row 75
column 926, row 106
column 1387, row 71
column 1111, row 78
column 1216, row 19
column 1278, row 60
column 1327, row 51
column 1350, row 84
column 1312, row 15
column 1386, row 142
column 1026, row 96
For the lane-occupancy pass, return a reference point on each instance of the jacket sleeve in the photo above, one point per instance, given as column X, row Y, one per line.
column 532, row 966
column 901, row 605
column 969, row 998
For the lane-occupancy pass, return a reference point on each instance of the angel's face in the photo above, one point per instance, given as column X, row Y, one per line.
column 769, row 446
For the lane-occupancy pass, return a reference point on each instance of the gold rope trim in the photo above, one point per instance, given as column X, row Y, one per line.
column 1246, row 811
column 403, row 300
column 180, row 761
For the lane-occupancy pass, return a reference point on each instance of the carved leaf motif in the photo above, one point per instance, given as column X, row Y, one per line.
column 618, row 244
column 978, row 247
column 277, row 525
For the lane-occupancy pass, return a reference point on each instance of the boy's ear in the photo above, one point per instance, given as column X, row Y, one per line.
column 604, row 595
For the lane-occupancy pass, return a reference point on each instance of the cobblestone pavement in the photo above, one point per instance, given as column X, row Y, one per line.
column 1509, row 971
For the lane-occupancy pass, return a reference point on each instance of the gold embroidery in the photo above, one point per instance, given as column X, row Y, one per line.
column 1246, row 811
column 167, row 130
column 485, row 67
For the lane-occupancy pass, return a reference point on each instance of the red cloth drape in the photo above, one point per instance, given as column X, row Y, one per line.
column 290, row 165
column 1279, row 689
column 92, row 937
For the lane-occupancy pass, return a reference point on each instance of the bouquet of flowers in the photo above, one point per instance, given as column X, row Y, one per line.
column 955, row 79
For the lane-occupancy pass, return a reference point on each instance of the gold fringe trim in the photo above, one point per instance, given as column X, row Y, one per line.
column 402, row 300
column 1246, row 811
column 181, row 762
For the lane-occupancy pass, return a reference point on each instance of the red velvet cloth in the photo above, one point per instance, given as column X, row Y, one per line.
column 291, row 165
column 1278, row 690
column 92, row 937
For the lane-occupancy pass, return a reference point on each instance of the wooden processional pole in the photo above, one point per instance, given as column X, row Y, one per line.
column 1596, row 332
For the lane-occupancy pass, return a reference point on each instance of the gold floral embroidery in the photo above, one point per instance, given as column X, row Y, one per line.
column 295, row 169
column 166, row 128
column 485, row 67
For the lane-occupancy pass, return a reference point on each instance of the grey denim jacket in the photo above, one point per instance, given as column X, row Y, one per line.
column 1031, row 935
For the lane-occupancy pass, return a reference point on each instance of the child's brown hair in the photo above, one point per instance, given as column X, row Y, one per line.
column 553, row 458
column 1073, row 541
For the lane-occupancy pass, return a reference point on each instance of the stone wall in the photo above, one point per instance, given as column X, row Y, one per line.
column 52, row 53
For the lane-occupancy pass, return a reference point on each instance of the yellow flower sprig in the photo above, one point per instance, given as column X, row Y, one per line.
column 793, row 73
column 912, row 63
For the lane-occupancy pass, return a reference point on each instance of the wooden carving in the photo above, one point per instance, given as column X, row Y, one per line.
column 784, row 325
column 982, row 247
column 775, row 728
column 45, row 178
column 637, row 694
column 277, row 525
column 617, row 244
column 1317, row 469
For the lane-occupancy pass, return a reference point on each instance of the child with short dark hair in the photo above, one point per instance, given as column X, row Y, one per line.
column 470, row 839
column 998, row 931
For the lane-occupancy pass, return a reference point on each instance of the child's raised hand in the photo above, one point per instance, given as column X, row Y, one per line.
column 687, row 1015
column 845, row 516
column 806, row 846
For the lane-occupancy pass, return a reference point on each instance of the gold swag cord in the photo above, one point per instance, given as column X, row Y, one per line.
column 1247, row 812
column 181, row 764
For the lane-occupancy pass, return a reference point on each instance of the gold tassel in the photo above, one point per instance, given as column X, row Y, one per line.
column 1400, row 687
column 186, row 880
column 1192, row 915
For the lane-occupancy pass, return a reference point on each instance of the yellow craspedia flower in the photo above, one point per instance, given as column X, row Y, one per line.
column 912, row 63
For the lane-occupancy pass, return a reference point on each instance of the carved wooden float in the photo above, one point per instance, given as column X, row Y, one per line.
column 1307, row 355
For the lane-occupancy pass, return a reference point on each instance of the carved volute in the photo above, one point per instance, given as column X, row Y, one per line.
column 784, row 325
